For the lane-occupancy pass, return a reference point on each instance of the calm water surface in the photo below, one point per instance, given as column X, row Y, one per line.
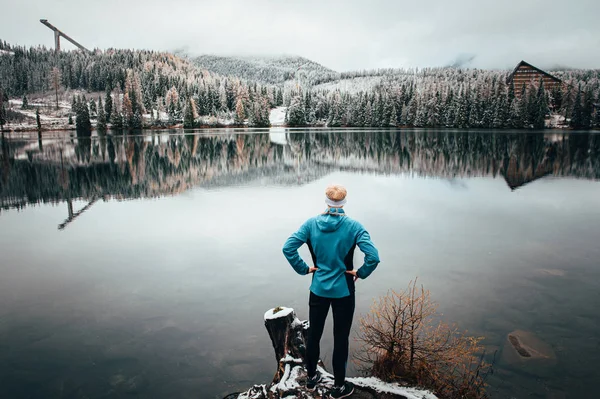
column 142, row 264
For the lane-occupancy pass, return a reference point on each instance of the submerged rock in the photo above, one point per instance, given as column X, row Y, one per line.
column 527, row 352
column 288, row 335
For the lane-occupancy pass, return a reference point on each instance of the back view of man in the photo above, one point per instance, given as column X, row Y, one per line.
column 331, row 238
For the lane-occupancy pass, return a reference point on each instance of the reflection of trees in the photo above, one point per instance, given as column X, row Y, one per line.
column 129, row 166
column 160, row 164
column 519, row 158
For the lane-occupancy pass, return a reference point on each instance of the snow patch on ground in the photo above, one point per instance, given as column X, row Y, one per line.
column 277, row 116
column 556, row 121
column 385, row 387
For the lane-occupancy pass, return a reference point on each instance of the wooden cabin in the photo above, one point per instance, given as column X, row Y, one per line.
column 528, row 74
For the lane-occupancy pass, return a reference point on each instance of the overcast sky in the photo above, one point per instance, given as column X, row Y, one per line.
column 343, row 35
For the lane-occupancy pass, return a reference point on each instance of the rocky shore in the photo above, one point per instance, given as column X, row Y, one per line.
column 288, row 336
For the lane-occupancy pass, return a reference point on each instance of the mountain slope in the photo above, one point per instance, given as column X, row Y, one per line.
column 275, row 70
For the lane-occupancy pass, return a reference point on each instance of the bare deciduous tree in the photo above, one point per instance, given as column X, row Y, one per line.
column 402, row 339
column 55, row 81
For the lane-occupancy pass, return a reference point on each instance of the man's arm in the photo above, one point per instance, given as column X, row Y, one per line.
column 290, row 249
column 363, row 240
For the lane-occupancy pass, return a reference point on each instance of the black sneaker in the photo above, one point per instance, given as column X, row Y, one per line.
column 342, row 392
column 311, row 382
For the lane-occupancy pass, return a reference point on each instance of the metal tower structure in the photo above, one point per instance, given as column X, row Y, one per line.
column 58, row 33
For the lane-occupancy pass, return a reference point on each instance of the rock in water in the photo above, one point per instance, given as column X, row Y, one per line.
column 527, row 352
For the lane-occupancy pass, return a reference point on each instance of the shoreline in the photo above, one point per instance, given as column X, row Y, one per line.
column 30, row 129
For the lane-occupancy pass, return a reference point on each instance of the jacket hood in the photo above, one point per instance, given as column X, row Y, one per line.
column 328, row 223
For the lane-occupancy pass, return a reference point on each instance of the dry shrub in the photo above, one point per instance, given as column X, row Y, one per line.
column 402, row 339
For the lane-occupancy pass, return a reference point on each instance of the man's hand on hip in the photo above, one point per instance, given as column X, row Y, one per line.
column 312, row 270
column 353, row 273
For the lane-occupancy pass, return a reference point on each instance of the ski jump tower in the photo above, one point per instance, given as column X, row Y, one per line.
column 58, row 33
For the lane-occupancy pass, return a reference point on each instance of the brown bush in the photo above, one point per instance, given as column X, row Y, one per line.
column 402, row 340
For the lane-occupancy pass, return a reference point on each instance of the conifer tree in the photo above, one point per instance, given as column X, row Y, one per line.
column 411, row 111
column 557, row 98
column 101, row 124
column 190, row 114
column 576, row 116
column 127, row 111
column 394, row 115
column 295, row 112
column 524, row 120
column 587, row 108
column 368, row 114
column 597, row 113
column 82, row 119
column 116, row 119
column 2, row 113
column 240, row 114
column 93, row 109
column 108, row 103
column 541, row 106
column 25, row 104
column 37, row 119
column 172, row 100
column 499, row 114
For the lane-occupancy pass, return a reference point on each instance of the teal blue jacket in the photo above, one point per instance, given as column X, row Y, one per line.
column 331, row 239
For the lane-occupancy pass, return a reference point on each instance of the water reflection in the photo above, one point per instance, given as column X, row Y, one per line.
column 150, row 297
column 158, row 163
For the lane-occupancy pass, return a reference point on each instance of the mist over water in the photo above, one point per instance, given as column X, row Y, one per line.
column 142, row 264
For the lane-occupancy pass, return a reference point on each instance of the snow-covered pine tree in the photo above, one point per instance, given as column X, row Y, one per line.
column 240, row 114
column 2, row 111
column 108, row 103
column 556, row 98
column 577, row 114
column 411, row 111
column 295, row 113
column 101, row 123
column 127, row 111
column 597, row 113
column 82, row 119
column 93, row 109
column 587, row 108
column 190, row 114
column 172, row 102
column 542, row 107
column 368, row 114
column 524, row 108
column 116, row 119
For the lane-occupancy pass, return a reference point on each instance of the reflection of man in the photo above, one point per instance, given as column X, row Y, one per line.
column 331, row 238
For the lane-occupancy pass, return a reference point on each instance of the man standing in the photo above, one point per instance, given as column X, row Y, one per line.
column 331, row 238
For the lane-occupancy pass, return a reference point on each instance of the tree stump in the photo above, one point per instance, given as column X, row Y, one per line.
column 288, row 336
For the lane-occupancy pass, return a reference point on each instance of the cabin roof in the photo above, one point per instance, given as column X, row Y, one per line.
column 523, row 63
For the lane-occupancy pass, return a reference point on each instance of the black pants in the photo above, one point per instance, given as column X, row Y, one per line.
column 343, row 311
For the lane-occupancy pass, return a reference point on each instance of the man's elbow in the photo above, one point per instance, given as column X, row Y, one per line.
column 288, row 252
column 374, row 259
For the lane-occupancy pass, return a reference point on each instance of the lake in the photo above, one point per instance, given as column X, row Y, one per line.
column 143, row 264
